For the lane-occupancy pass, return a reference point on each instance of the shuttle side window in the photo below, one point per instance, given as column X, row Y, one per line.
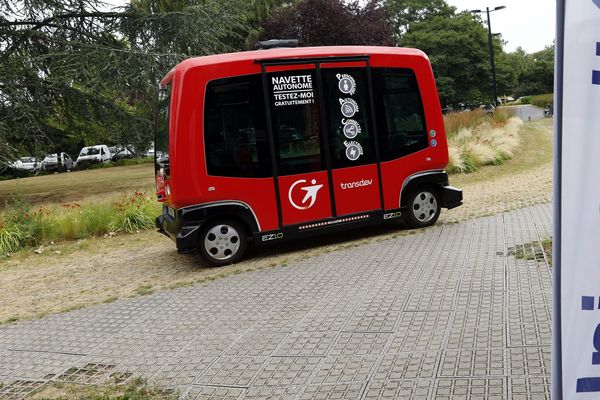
column 235, row 134
column 346, row 98
column 400, row 116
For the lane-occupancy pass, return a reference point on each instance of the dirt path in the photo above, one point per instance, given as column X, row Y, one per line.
column 74, row 275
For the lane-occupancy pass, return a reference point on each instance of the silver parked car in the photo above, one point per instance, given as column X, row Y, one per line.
column 50, row 162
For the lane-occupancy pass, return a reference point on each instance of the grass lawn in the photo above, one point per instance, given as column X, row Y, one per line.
column 93, row 184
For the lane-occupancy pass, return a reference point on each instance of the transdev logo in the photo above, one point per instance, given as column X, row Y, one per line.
column 357, row 184
column 310, row 195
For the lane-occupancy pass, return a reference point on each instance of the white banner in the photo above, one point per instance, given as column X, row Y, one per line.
column 579, row 223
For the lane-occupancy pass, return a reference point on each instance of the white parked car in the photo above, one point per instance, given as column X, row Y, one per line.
column 50, row 162
column 94, row 155
column 29, row 164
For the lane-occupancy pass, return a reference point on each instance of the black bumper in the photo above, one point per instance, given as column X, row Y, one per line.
column 451, row 197
column 170, row 225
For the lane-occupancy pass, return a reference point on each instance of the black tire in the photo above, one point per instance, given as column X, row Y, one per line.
column 423, row 207
column 222, row 241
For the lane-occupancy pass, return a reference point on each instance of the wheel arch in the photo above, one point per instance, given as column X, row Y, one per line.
column 437, row 179
column 201, row 214
column 189, row 221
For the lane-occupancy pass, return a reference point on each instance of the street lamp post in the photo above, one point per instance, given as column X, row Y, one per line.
column 491, row 49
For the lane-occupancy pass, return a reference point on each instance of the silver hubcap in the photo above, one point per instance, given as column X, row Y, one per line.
column 424, row 206
column 222, row 242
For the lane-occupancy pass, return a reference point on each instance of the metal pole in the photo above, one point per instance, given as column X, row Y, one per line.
column 492, row 63
column 556, row 374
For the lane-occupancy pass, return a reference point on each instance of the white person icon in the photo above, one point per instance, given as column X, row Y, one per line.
column 346, row 84
column 311, row 194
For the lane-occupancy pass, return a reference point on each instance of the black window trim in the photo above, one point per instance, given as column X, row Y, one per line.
column 390, row 71
column 205, row 93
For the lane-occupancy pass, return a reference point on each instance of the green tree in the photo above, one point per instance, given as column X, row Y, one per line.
column 71, row 71
column 457, row 48
column 509, row 68
column 259, row 11
column 404, row 13
column 330, row 22
column 538, row 74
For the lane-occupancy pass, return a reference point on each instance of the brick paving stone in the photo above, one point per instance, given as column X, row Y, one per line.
column 406, row 389
column 447, row 313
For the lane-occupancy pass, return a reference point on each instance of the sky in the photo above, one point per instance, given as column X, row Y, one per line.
column 526, row 23
column 529, row 24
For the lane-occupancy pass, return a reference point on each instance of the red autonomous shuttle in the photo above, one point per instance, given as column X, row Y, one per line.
column 276, row 144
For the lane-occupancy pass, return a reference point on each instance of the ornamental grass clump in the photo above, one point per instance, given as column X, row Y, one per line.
column 12, row 237
column 19, row 224
column 491, row 142
column 134, row 213
column 22, row 225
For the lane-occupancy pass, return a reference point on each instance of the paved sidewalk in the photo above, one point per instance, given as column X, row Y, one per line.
column 449, row 313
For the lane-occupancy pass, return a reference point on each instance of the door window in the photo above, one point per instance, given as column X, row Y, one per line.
column 235, row 128
column 401, row 120
column 296, row 121
column 346, row 96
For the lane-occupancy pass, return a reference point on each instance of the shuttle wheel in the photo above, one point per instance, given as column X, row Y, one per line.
column 423, row 208
column 222, row 242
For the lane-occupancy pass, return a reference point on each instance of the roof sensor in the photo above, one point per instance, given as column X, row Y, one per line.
column 277, row 43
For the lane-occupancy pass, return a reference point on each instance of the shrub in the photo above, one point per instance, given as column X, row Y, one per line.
column 134, row 213
column 12, row 237
column 21, row 225
column 490, row 143
column 456, row 121
column 542, row 100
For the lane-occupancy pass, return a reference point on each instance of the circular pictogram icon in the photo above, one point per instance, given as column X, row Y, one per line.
column 432, row 133
column 349, row 107
column 433, row 143
column 351, row 128
column 346, row 84
column 353, row 150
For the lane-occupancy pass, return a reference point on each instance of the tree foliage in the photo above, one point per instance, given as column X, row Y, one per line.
column 330, row 22
column 457, row 48
column 405, row 13
column 71, row 71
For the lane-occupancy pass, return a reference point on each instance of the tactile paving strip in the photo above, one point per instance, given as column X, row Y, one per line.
column 420, row 331
column 346, row 391
column 286, row 371
column 406, row 389
column 359, row 344
column 475, row 362
column 529, row 388
column 470, row 389
column 213, row 393
column 529, row 361
column 306, row 344
column 337, row 369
